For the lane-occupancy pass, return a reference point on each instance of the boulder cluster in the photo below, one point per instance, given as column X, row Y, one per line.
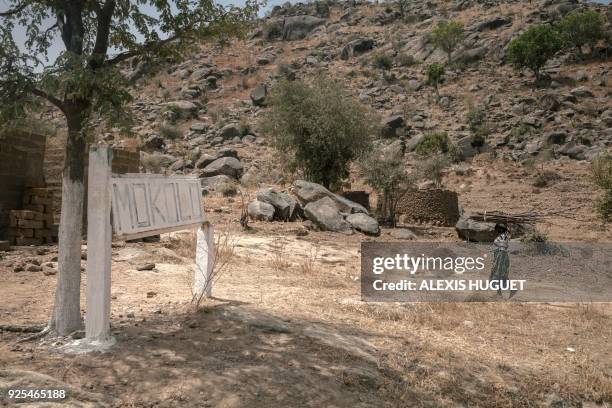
column 323, row 209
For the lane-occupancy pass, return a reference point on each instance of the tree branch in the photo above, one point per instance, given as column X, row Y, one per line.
column 105, row 15
column 150, row 46
column 15, row 10
column 55, row 101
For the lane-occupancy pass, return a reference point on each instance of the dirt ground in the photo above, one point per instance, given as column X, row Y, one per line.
column 286, row 327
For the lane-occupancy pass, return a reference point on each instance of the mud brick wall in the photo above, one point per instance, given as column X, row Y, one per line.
column 435, row 206
column 21, row 166
column 33, row 224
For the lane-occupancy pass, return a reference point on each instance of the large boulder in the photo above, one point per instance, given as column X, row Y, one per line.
column 286, row 207
column 494, row 23
column 230, row 131
column 364, row 223
column 258, row 95
column 260, row 211
column 475, row 231
column 308, row 192
column 356, row 47
column 228, row 166
column 298, row 27
column 326, row 215
column 214, row 182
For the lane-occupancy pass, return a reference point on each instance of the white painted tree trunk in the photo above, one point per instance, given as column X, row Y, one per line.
column 66, row 316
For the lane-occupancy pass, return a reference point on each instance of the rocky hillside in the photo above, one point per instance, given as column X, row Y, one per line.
column 200, row 116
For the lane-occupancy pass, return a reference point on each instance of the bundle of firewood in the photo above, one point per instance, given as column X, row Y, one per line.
column 504, row 218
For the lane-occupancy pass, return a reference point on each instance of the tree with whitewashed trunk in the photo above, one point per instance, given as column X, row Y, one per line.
column 87, row 85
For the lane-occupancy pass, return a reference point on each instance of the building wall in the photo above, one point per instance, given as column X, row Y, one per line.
column 21, row 166
column 436, row 206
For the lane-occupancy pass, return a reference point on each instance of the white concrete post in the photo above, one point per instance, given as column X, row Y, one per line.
column 99, row 238
column 205, row 258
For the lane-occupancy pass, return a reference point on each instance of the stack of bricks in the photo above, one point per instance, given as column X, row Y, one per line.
column 33, row 224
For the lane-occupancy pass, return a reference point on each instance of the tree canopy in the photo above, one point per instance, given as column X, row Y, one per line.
column 97, row 35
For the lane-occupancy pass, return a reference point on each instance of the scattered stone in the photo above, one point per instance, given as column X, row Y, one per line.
column 286, row 207
column 356, row 47
column 582, row 92
column 364, row 223
column 474, row 231
column 326, row 215
column 308, row 192
column 230, row 131
column 258, row 95
column 403, row 233
column 298, row 27
column 228, row 166
column 146, row 267
column 260, row 211
column 5, row 245
column 33, row 268
column 49, row 271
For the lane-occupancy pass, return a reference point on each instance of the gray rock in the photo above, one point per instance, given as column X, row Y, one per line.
column 403, row 233
column 356, row 47
column 474, row 231
column 298, row 27
column 230, row 131
column 364, row 223
column 573, row 151
column 199, row 127
column 228, row 166
column 286, row 207
column 494, row 23
column 582, row 92
column 260, row 211
column 184, row 109
column 154, row 142
column 205, row 160
column 258, row 95
column 555, row 137
column 308, row 192
column 391, row 124
column 326, row 215
column 214, row 182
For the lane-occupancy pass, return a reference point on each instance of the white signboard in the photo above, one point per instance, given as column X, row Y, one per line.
column 145, row 205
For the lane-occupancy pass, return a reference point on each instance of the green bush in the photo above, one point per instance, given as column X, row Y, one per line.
column 447, row 35
column 433, row 143
column 318, row 129
column 533, row 48
column 386, row 174
column 382, row 61
column 601, row 169
column 582, row 28
column 435, row 75
column 432, row 168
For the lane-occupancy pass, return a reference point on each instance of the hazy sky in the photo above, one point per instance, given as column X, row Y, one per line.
column 57, row 47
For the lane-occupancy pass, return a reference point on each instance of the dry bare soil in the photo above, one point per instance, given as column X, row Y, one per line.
column 286, row 327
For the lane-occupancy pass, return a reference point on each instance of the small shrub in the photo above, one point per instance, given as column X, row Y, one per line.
column 386, row 174
column 601, row 170
column 382, row 61
column 405, row 60
column 245, row 126
column 447, row 35
column 227, row 189
column 318, row 129
column 545, row 178
column 533, row 48
column 582, row 28
column 168, row 131
column 435, row 75
column 433, row 143
column 432, row 168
